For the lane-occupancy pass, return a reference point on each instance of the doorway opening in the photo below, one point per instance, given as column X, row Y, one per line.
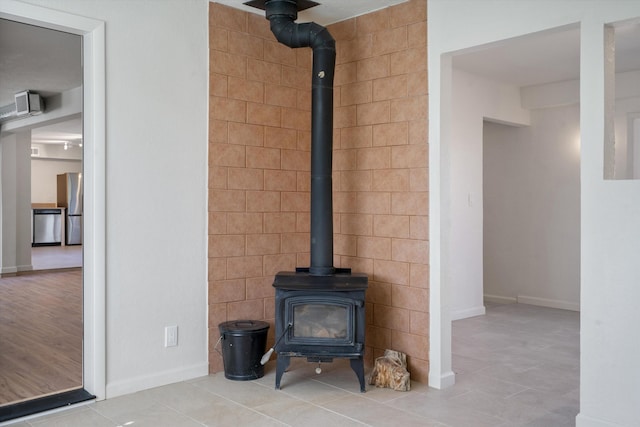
column 92, row 277
column 514, row 168
column 41, row 313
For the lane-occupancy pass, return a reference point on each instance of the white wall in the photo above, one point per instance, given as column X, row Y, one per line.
column 532, row 210
column 474, row 98
column 609, row 209
column 156, row 176
column 44, row 174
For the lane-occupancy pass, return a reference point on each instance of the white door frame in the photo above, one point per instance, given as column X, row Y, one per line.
column 94, row 297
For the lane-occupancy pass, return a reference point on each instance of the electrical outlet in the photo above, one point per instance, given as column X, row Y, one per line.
column 170, row 336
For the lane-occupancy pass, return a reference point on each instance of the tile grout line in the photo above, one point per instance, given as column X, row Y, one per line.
column 240, row 404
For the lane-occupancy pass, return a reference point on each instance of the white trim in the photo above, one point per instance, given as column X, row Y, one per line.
column 552, row 303
column 499, row 299
column 8, row 270
column 584, row 421
column 542, row 302
column 95, row 211
column 26, row 267
column 144, row 382
column 50, row 18
column 441, row 374
column 442, row 381
column 467, row 312
column 93, row 33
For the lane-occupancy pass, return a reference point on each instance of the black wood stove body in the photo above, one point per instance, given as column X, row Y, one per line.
column 320, row 318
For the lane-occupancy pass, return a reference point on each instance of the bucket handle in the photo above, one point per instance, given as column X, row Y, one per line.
column 215, row 347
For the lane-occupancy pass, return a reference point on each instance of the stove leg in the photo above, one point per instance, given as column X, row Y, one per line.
column 282, row 363
column 358, row 367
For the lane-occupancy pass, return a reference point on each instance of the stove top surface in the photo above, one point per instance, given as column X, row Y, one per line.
column 300, row 279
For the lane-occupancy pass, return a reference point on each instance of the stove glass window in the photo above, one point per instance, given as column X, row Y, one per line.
column 320, row 321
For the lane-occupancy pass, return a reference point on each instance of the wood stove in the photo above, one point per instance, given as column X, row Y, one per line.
column 320, row 309
column 320, row 318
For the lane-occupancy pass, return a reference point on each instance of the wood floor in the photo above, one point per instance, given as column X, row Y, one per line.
column 40, row 334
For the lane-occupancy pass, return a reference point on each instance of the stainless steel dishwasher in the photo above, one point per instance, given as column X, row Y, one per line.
column 47, row 227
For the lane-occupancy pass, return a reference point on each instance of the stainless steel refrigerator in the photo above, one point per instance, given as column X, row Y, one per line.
column 70, row 197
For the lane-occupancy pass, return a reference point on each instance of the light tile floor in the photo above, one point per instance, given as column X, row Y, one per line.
column 516, row 366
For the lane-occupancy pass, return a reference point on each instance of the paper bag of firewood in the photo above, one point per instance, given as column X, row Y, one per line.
column 390, row 371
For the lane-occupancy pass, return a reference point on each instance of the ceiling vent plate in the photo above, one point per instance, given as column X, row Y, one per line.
column 301, row 4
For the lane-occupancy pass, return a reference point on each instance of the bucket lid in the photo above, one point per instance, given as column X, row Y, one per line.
column 243, row 326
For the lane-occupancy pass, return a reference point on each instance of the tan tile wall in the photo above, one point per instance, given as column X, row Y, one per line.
column 259, row 145
column 381, row 197
column 259, row 141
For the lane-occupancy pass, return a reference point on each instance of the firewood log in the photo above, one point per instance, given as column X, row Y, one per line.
column 390, row 371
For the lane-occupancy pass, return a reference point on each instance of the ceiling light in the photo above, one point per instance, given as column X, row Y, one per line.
column 49, row 141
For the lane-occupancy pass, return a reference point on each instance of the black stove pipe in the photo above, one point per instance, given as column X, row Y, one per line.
column 281, row 15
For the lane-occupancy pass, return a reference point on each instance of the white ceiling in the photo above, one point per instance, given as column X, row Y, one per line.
column 328, row 11
column 545, row 57
column 44, row 61
column 38, row 59
column 69, row 131
column 525, row 61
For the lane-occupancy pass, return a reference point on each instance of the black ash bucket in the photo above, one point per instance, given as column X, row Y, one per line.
column 243, row 344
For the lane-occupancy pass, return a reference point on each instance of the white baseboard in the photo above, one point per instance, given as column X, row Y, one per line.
column 27, row 267
column 585, row 421
column 551, row 303
column 132, row 385
column 500, row 299
column 467, row 312
column 525, row 299
column 9, row 270
column 443, row 380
